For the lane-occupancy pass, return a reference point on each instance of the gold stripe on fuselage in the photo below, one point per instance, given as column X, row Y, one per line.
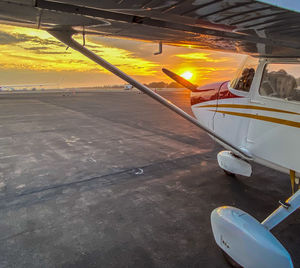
column 262, row 118
column 243, row 106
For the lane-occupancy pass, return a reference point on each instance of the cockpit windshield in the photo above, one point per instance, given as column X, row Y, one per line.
column 245, row 74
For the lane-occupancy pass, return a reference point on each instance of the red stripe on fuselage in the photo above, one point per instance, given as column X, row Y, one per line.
column 212, row 92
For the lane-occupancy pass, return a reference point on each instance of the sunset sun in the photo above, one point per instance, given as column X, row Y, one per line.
column 187, row 75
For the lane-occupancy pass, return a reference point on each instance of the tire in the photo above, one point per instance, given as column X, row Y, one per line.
column 229, row 173
column 230, row 261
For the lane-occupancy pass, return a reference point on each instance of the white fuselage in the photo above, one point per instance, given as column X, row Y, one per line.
column 267, row 127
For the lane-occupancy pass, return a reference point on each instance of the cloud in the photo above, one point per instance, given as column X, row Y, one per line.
column 37, row 50
column 15, row 38
column 42, row 41
column 7, row 39
column 45, row 50
column 201, row 56
column 136, row 48
column 24, row 49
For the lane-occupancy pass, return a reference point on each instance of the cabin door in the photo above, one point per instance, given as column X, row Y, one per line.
column 274, row 129
column 233, row 102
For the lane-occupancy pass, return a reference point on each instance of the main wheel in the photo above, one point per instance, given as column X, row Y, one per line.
column 231, row 261
column 230, row 174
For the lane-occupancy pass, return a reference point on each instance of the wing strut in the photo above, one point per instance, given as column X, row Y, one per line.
column 66, row 37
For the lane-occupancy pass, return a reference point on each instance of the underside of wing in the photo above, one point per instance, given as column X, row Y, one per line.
column 262, row 28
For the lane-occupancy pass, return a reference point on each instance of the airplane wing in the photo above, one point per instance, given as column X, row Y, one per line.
column 262, row 28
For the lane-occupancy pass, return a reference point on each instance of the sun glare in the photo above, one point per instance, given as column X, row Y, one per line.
column 187, row 75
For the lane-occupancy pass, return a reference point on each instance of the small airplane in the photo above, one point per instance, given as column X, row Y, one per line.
column 128, row 87
column 255, row 117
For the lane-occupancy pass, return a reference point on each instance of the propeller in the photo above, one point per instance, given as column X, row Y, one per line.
column 180, row 80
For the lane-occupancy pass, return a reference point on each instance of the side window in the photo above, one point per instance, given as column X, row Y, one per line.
column 245, row 75
column 281, row 81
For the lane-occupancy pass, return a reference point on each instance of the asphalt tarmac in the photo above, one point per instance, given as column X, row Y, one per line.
column 113, row 179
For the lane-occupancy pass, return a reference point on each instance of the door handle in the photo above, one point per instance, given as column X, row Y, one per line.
column 257, row 102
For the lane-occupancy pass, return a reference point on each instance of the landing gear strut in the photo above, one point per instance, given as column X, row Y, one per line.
column 295, row 182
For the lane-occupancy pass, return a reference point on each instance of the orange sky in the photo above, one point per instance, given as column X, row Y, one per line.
column 33, row 56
